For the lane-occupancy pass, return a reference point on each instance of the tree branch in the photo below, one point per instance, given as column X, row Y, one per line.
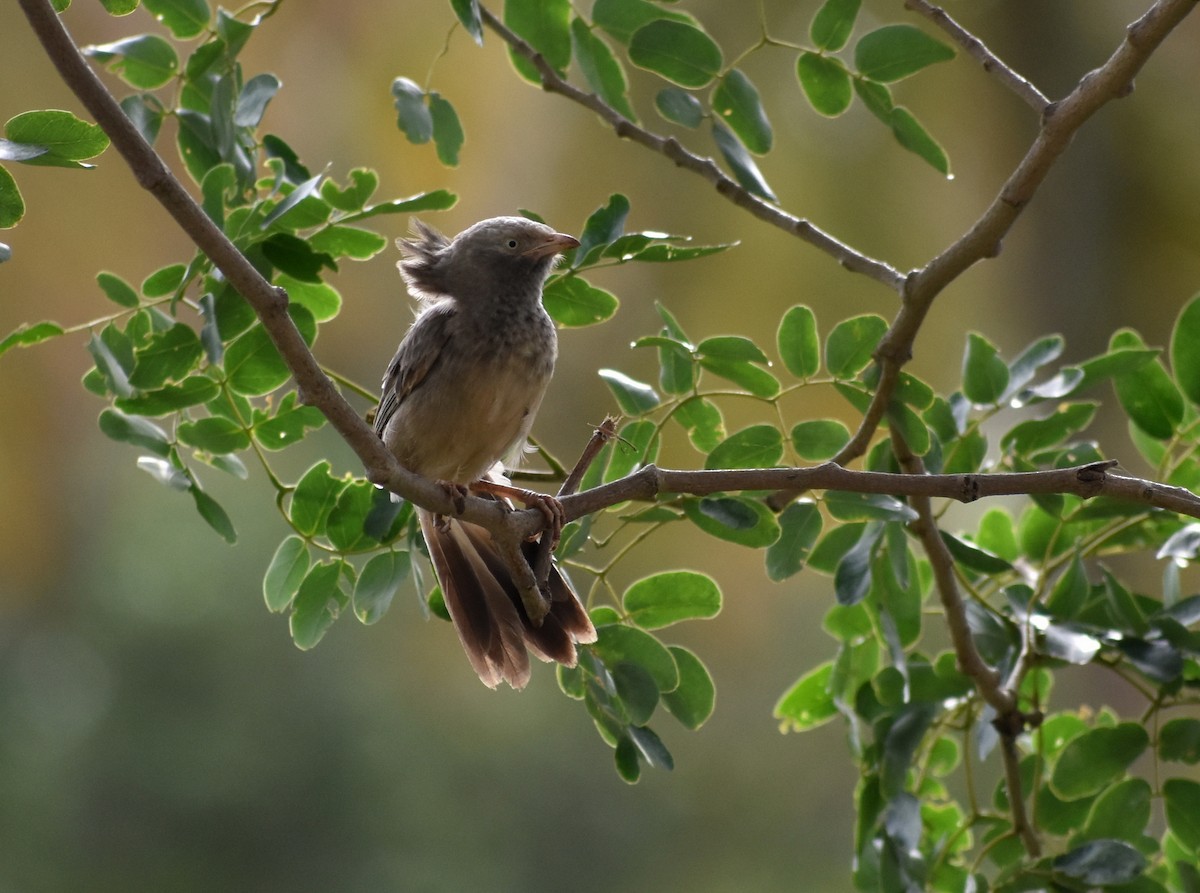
column 671, row 148
column 977, row 50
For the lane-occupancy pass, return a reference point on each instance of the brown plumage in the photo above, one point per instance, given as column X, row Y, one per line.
column 459, row 399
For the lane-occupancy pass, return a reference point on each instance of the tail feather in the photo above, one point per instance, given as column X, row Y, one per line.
column 487, row 610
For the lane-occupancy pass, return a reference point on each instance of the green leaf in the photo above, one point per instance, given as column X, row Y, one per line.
column 136, row 430
column 758, row 446
column 573, row 302
column 832, row 25
column 288, row 425
column 1182, row 797
column 26, row 335
column 632, row 448
column 356, row 194
column 692, row 701
column 876, row 97
column 678, row 51
column 377, row 584
column 170, row 355
column 603, row 227
column 633, row 397
column 215, row 516
column 64, row 135
column 317, row 605
column 345, row 241
column 850, row 345
column 1032, row 358
column 974, row 557
column 867, row 507
column 1038, row 434
column 119, row 7
column 468, row 14
column 1089, row 763
column 145, row 61
column 287, row 570
column 799, row 527
column 736, row 519
column 117, row 289
column 163, row 401
column 1147, row 394
column 621, row 18
column 296, row 257
column 185, row 18
column 1179, row 740
column 733, row 348
column 819, row 439
column 825, row 82
column 679, row 106
column 616, row 643
column 12, row 206
column 737, row 102
column 252, row 101
column 809, row 702
column 745, row 171
column 438, row 200
column 313, row 499
column 799, row 346
column 669, row 597
column 1121, row 812
column 601, row 68
column 448, row 134
column 544, row 24
column 215, row 435
column 1101, row 863
column 703, row 422
column 413, row 115
column 1185, row 350
column 346, row 525
column 319, row 298
column 894, row 52
column 985, row 374
column 912, row 135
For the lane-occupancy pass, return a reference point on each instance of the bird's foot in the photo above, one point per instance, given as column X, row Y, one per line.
column 458, row 496
column 550, row 507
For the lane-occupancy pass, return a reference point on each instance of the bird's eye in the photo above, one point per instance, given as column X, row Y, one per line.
column 512, row 243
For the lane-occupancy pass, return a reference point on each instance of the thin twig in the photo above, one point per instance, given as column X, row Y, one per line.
column 671, row 148
column 977, row 50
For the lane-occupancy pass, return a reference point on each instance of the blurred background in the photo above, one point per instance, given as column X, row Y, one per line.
column 157, row 727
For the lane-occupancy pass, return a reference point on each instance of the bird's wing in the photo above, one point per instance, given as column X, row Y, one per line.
column 418, row 353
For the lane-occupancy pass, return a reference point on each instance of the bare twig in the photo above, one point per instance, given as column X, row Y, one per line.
column 977, row 50
column 671, row 148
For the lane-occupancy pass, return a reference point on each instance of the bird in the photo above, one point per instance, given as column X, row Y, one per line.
column 458, row 402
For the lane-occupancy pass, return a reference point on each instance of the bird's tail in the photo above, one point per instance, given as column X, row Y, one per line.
column 486, row 606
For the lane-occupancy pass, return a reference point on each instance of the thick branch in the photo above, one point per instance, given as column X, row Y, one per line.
column 671, row 148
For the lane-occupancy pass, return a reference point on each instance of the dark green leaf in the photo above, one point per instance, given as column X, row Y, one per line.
column 146, row 61
column 745, row 171
column 679, row 106
column 413, row 116
column 809, row 702
column 912, row 135
column 1070, row 590
column 314, row 498
column 1182, row 798
column 288, row 425
column 651, row 748
column 692, row 700
column 900, row 745
column 629, row 768
column 287, row 570
column 632, row 448
column 1185, row 350
column 758, row 446
column 604, row 226
column 876, row 97
column 346, row 525
column 1032, row 358
column 448, row 134
column 12, row 206
column 678, row 51
column 165, row 472
column 438, row 200
column 185, row 18
column 633, row 397
column 621, row 18
column 1101, row 863
column 190, row 392
column 215, row 516
column 252, row 101
column 733, row 348
column 544, row 24
column 671, row 596
column 985, row 374
column 852, row 577
column 170, row 355
column 1147, row 393
column 468, row 13
column 26, row 335
column 1121, row 812
column 1038, row 434
column 737, row 519
column 252, row 364
column 617, row 643
column 894, row 52
column 296, row 257
column 819, row 439
column 753, row 378
column 799, row 527
column 574, row 302
column 318, row 603
column 1092, row 761
column 1179, row 740
column 799, row 346
column 850, row 345
column 973, row 556
column 832, row 25
column 377, row 584
column 601, row 68
column 112, row 354
column 636, row 691
column 61, row 133
column 867, row 506
column 737, row 102
column 295, row 199
column 136, row 430
column 825, row 82
column 164, row 281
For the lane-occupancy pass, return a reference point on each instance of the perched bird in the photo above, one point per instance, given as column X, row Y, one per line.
column 460, row 397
